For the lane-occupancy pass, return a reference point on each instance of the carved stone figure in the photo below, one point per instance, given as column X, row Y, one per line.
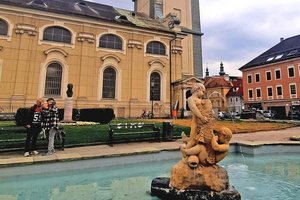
column 197, row 173
column 70, row 90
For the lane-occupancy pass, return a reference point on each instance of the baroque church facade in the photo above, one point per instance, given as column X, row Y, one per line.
column 116, row 58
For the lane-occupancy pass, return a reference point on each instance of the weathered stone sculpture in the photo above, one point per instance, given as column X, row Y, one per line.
column 197, row 175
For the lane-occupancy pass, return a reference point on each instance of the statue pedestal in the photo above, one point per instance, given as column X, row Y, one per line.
column 160, row 187
column 68, row 112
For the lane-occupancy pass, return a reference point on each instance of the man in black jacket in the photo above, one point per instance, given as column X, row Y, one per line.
column 33, row 126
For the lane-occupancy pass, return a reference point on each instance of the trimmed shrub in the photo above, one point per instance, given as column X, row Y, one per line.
column 101, row 115
column 21, row 116
column 75, row 114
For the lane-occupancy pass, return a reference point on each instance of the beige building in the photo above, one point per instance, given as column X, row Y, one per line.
column 114, row 57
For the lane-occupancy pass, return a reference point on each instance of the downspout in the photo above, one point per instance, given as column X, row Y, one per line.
column 170, row 60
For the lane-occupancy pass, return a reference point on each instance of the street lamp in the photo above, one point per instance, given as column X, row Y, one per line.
column 152, row 91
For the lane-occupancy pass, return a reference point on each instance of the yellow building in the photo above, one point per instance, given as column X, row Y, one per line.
column 110, row 55
column 217, row 89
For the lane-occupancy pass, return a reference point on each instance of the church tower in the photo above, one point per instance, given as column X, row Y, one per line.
column 189, row 14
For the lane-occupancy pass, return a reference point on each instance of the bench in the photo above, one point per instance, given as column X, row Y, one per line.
column 41, row 137
column 132, row 132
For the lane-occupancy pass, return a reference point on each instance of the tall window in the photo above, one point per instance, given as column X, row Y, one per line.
column 270, row 92
column 291, row 72
column 156, row 48
column 257, row 78
column 279, row 90
column 155, row 89
column 3, row 27
column 109, row 83
column 57, row 34
column 277, row 74
column 293, row 89
column 110, row 41
column 249, row 79
column 158, row 7
column 53, row 79
column 250, row 93
column 268, row 76
column 258, row 93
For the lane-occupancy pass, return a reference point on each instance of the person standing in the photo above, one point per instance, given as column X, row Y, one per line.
column 50, row 123
column 33, row 126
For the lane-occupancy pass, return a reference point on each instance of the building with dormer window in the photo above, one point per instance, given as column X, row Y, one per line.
column 272, row 80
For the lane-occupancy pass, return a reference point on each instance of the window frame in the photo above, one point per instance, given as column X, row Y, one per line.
column 290, row 90
column 249, row 81
column 288, row 71
column 114, row 96
column 161, row 7
column 121, row 41
column 7, row 27
column 157, row 87
column 61, row 36
column 269, row 96
column 250, row 98
column 8, row 36
column 156, row 54
column 276, row 70
column 258, row 97
column 268, row 72
column 61, row 81
column 279, row 96
column 257, row 75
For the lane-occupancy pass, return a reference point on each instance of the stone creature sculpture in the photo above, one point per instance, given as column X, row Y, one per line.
column 197, row 174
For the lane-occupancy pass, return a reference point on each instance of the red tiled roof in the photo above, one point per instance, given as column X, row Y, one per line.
column 216, row 81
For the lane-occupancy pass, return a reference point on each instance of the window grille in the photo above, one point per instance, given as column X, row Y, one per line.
column 53, row 79
column 156, row 48
column 3, row 27
column 109, row 83
column 57, row 34
column 155, row 89
column 110, row 41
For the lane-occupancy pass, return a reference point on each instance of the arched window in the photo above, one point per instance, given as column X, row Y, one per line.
column 156, row 48
column 57, row 34
column 3, row 27
column 53, row 79
column 109, row 83
column 155, row 86
column 110, row 41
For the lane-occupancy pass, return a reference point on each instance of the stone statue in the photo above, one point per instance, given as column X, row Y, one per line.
column 70, row 90
column 197, row 174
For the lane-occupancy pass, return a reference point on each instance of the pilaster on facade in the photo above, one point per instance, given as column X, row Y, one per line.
column 135, row 44
column 86, row 37
column 1, row 47
column 26, row 28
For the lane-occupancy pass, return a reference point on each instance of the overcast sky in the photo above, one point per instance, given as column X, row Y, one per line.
column 237, row 31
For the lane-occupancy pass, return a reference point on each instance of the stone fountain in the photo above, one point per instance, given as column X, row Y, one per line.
column 197, row 175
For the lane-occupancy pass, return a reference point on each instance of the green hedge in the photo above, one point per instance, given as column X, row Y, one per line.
column 101, row 115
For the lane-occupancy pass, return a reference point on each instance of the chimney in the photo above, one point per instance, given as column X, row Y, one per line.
column 281, row 39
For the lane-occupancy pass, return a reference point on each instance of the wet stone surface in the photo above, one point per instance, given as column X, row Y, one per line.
column 160, row 188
